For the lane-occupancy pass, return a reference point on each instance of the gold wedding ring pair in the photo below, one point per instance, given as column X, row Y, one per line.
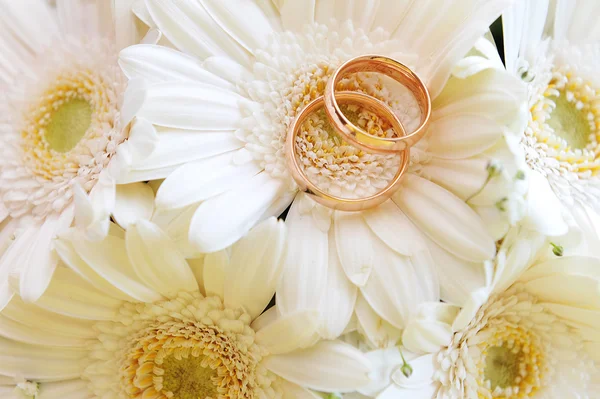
column 399, row 144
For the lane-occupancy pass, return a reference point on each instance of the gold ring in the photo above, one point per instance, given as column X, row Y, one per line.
column 357, row 136
column 344, row 204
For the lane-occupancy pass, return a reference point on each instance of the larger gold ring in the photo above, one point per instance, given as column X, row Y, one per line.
column 357, row 136
column 334, row 202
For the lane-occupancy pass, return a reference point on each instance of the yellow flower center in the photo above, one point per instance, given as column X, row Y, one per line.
column 73, row 117
column 68, row 124
column 186, row 348
column 566, row 122
column 512, row 364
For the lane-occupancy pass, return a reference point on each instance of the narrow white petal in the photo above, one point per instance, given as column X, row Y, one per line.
column 354, row 248
column 36, row 362
column 291, row 332
column 544, row 210
column 445, row 219
column 243, row 21
column 195, row 106
column 191, row 29
column 339, row 295
column 255, row 267
column 204, row 179
column 158, row 64
column 224, row 219
column 304, row 279
column 109, row 259
column 296, row 14
column 134, row 202
column 394, row 228
column 319, row 368
column 215, row 265
column 68, row 294
column 157, row 261
column 379, row 332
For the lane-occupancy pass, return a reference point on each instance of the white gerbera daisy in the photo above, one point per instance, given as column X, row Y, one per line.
column 62, row 116
column 532, row 333
column 221, row 107
column 129, row 317
column 555, row 48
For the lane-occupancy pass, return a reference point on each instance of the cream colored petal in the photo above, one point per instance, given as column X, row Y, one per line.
column 289, row 333
column 319, row 368
column 215, row 265
column 255, row 267
column 445, row 219
column 156, row 260
column 133, row 202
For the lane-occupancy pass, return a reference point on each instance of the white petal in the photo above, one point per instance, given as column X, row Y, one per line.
column 462, row 135
column 109, row 259
column 319, row 367
column 396, row 392
column 457, row 277
column 224, row 219
column 243, row 21
column 134, row 202
column 70, row 295
column 70, row 257
column 339, row 297
column 158, row 64
column 445, row 219
column 201, row 180
column 133, row 100
column 41, row 260
column 295, row 14
column 354, row 248
column 293, row 391
column 288, row 333
column 36, row 362
column 126, row 31
column 304, row 279
column 255, row 267
column 543, row 208
column 227, row 69
column 19, row 17
column 191, row 106
column 379, row 332
column 191, row 29
column 392, row 289
column 392, row 227
column 523, row 25
column 72, row 389
column 215, row 265
column 431, row 328
column 157, row 261
column 142, row 141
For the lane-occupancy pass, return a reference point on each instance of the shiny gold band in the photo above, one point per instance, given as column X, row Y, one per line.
column 357, row 136
column 369, row 103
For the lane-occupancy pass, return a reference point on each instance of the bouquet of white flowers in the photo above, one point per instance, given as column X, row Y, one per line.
column 238, row 199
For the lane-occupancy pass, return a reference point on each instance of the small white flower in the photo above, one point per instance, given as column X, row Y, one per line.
column 555, row 48
column 130, row 317
column 63, row 114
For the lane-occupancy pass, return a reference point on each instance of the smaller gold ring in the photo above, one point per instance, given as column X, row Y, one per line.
column 320, row 196
column 357, row 136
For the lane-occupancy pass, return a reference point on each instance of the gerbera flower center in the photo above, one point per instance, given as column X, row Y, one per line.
column 512, row 363
column 512, row 349
column 562, row 139
column 64, row 126
column 68, row 124
column 190, row 347
column 292, row 71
